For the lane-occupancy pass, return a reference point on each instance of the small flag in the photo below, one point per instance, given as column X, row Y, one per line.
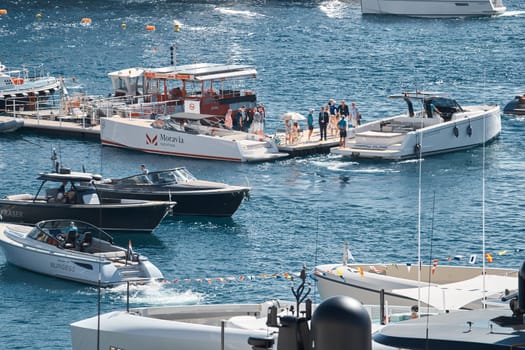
column 350, row 256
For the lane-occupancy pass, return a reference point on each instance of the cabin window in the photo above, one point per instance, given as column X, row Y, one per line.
column 90, row 198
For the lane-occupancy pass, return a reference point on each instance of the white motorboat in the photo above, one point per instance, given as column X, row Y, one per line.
column 75, row 251
column 188, row 135
column 441, row 126
column 25, row 86
column 443, row 287
column 434, row 8
column 273, row 324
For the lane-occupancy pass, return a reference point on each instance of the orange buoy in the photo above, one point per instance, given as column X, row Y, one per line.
column 150, row 27
column 85, row 20
column 3, row 12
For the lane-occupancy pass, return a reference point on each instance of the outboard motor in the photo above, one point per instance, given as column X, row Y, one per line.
column 341, row 323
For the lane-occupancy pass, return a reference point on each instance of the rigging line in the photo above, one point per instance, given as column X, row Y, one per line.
column 419, row 220
column 316, row 245
column 484, row 295
column 430, row 267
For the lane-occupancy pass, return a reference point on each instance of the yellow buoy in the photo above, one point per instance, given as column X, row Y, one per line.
column 123, row 26
column 150, row 27
column 3, row 12
column 85, row 20
column 176, row 25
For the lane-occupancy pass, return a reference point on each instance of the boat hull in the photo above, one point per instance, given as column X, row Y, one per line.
column 433, row 8
column 11, row 125
column 213, row 202
column 137, row 217
column 400, row 283
column 65, row 264
column 137, row 134
column 468, row 131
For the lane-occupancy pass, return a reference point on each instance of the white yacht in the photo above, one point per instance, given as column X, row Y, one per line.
column 440, row 126
column 434, row 8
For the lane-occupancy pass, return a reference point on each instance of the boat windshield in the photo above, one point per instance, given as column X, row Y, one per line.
column 162, row 177
column 58, row 232
column 172, row 176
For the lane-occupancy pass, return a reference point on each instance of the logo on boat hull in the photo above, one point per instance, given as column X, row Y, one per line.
column 163, row 140
column 151, row 140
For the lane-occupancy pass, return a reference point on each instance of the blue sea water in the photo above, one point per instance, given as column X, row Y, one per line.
column 301, row 209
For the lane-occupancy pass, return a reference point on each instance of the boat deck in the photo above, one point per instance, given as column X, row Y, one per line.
column 63, row 126
column 303, row 147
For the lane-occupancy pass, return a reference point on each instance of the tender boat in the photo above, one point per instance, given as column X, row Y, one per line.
column 434, row 8
column 516, row 106
column 10, row 124
column 193, row 196
column 443, row 287
column 473, row 329
column 81, row 203
column 25, row 86
column 188, row 135
column 441, row 126
column 75, row 251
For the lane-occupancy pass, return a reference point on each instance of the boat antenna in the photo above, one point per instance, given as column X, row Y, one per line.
column 54, row 163
column 484, row 295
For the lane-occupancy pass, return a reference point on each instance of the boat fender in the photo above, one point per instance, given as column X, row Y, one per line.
column 456, row 131
column 469, row 130
column 417, row 149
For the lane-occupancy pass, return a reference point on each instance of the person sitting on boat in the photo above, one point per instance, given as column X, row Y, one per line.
column 144, row 170
column 70, row 196
column 60, row 196
column 431, row 109
column 71, row 233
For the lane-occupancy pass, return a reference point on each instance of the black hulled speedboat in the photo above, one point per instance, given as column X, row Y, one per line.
column 193, row 196
column 70, row 195
column 516, row 106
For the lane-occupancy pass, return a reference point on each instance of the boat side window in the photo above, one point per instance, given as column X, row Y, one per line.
column 90, row 198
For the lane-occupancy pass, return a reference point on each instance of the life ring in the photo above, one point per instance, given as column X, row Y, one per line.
column 469, row 130
column 455, row 131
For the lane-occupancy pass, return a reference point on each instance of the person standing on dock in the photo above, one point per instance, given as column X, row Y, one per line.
column 342, row 132
column 324, row 119
column 310, row 121
column 343, row 109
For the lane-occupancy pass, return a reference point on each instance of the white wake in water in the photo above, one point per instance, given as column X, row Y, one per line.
column 155, row 293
